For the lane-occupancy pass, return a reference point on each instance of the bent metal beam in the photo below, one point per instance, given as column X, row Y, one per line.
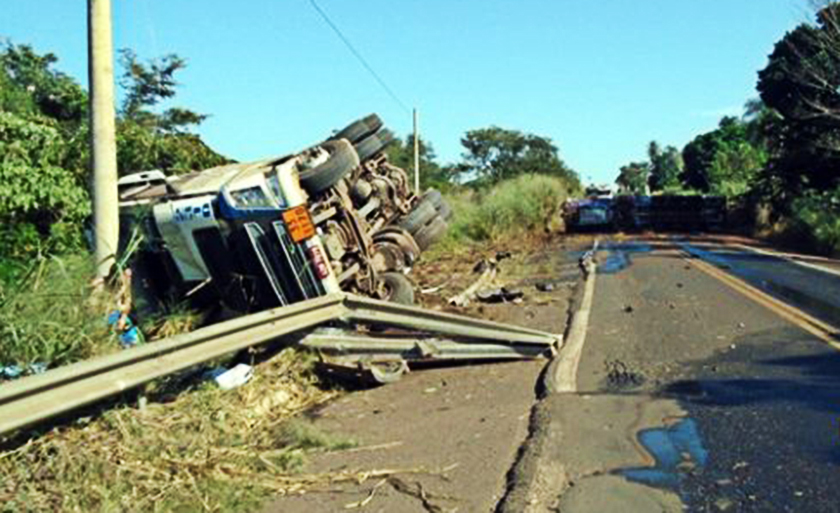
column 36, row 398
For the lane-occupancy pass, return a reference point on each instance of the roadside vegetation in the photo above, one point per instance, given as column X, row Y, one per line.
column 778, row 163
column 208, row 450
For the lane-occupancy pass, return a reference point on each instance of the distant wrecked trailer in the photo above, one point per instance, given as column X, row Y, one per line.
column 667, row 212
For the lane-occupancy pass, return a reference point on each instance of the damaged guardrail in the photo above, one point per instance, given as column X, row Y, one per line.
column 36, row 398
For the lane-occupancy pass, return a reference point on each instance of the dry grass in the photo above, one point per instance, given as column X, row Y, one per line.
column 208, row 450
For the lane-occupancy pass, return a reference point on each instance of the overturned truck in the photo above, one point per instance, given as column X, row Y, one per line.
column 251, row 236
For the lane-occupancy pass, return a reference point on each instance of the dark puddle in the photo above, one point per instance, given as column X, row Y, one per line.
column 677, row 450
column 618, row 255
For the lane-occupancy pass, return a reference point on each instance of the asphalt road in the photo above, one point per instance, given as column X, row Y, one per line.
column 692, row 396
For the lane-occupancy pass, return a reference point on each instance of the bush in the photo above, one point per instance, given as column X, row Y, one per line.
column 817, row 216
column 524, row 204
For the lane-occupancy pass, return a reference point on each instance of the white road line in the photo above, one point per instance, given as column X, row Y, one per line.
column 790, row 257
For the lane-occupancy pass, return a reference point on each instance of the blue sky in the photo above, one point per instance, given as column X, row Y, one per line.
column 599, row 78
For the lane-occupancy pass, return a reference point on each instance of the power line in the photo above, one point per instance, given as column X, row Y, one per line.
column 358, row 56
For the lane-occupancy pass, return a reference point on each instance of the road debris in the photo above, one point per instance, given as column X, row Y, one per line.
column 499, row 295
column 487, row 276
column 228, row 379
column 545, row 286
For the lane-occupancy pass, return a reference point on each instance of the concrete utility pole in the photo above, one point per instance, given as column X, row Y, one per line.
column 102, row 138
column 416, row 156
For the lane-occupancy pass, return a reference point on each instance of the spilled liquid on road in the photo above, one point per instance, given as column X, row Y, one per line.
column 676, row 449
column 618, row 255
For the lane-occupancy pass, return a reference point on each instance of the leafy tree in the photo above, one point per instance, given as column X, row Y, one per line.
column 801, row 83
column 44, row 139
column 666, row 166
column 39, row 199
column 633, row 177
column 29, row 77
column 401, row 154
column 494, row 154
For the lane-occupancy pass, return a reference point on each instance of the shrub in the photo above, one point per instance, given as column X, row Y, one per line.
column 817, row 216
column 523, row 204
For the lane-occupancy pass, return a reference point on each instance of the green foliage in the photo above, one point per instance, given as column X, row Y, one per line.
column 46, row 317
column 817, row 215
column 44, row 145
column 517, row 206
column 39, row 200
column 801, row 84
column 401, row 154
column 666, row 166
column 633, row 177
column 725, row 160
column 29, row 77
column 139, row 149
column 734, row 167
column 495, row 154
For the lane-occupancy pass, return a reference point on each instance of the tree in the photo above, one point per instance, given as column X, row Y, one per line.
column 151, row 140
column 633, row 177
column 494, row 154
column 665, row 166
column 28, row 75
column 401, row 154
column 801, row 83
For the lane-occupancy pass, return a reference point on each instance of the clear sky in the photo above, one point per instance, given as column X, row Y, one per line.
column 600, row 78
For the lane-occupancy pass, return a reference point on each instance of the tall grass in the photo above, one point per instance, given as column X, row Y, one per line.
column 524, row 204
column 47, row 317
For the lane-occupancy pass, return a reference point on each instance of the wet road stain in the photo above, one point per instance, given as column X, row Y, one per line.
column 618, row 255
column 676, row 449
column 768, row 410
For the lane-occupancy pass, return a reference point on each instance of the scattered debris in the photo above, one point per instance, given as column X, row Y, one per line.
column 545, row 286
column 464, row 298
column 499, row 295
column 620, row 376
column 501, row 255
column 17, row 371
column 228, row 379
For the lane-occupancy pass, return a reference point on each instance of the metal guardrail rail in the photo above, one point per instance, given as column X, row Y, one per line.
column 36, row 398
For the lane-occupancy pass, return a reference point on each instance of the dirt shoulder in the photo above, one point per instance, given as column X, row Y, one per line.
column 456, row 430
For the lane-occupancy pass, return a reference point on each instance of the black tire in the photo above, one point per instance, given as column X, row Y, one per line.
column 373, row 144
column 398, row 288
column 430, row 233
column 342, row 160
column 445, row 211
column 358, row 129
column 434, row 197
column 418, row 217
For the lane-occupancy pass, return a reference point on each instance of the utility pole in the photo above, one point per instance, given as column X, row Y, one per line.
column 102, row 139
column 416, row 156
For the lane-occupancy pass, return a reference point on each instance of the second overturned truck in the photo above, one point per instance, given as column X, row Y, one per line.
column 251, row 236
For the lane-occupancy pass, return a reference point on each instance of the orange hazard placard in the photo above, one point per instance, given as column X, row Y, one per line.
column 299, row 223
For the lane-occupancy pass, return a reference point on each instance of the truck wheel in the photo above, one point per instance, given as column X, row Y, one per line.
column 434, row 197
column 445, row 211
column 358, row 129
column 418, row 217
column 398, row 289
column 373, row 144
column 430, row 233
column 342, row 160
